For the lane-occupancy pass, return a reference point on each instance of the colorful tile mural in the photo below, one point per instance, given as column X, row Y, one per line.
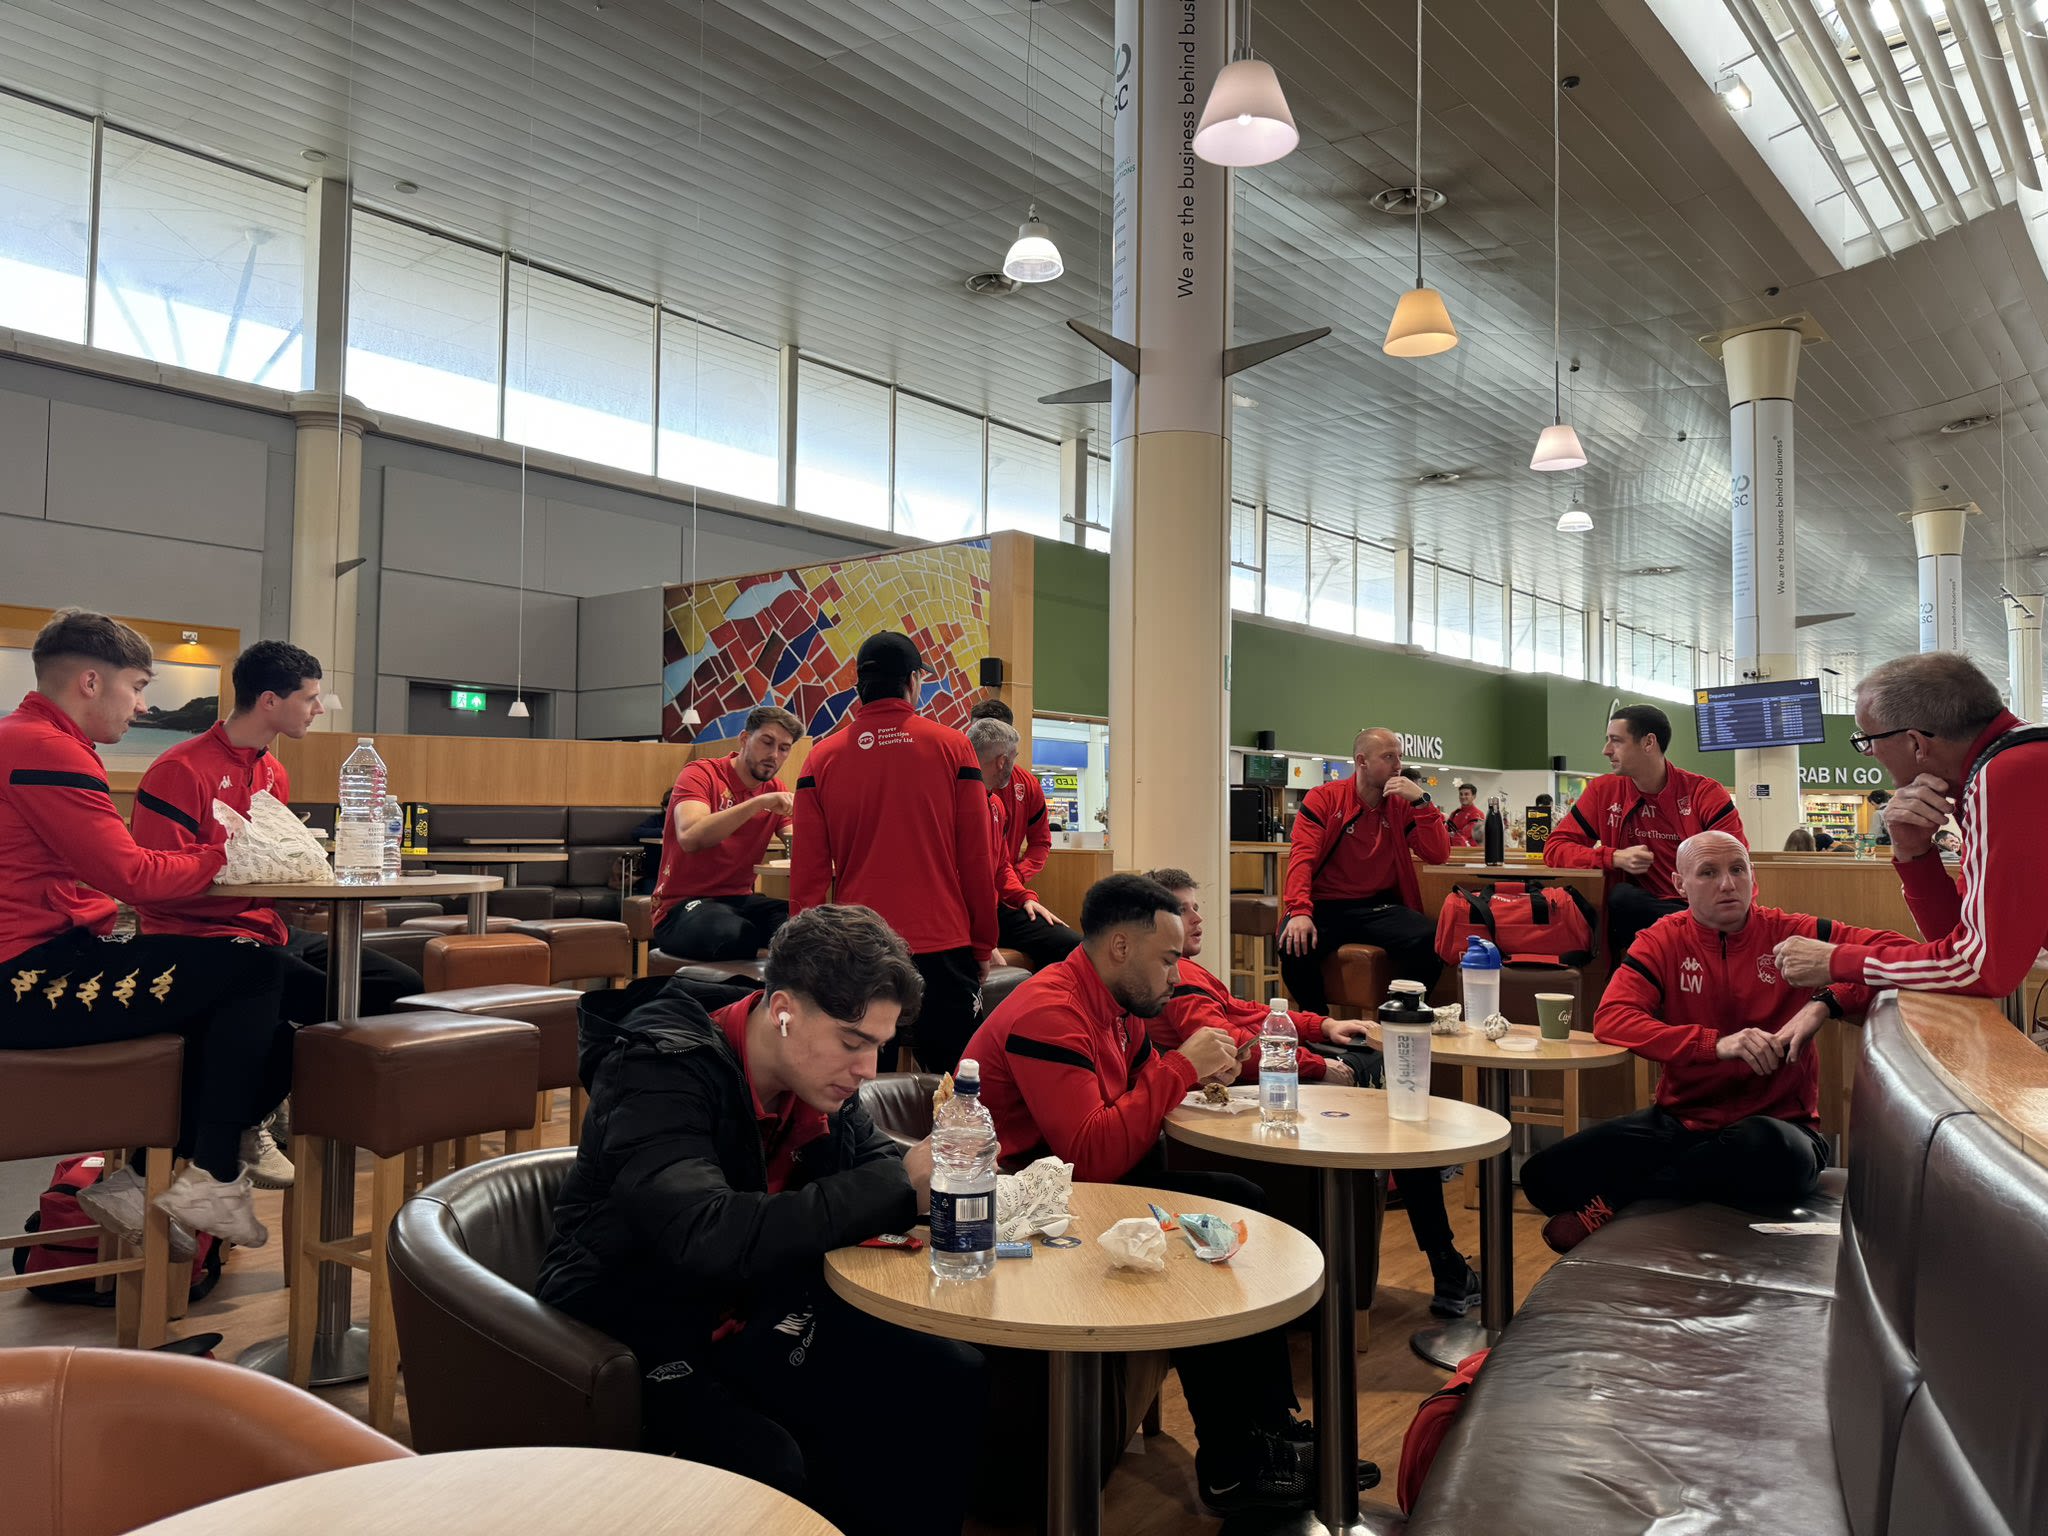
column 790, row 637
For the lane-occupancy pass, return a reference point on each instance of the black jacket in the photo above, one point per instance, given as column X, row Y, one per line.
column 665, row 1225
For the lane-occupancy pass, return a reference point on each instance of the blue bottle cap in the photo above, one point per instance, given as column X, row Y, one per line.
column 1480, row 955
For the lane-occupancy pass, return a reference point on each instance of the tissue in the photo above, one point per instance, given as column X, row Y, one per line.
column 1135, row 1243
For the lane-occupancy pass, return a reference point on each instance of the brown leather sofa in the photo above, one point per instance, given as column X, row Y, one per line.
column 97, row 1441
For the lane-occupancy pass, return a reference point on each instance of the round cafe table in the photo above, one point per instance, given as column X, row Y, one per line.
column 1343, row 1130
column 1074, row 1306
column 1448, row 1343
column 341, row 1351
column 572, row 1490
column 485, row 858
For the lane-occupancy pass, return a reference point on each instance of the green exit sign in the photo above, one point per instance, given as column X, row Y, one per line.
column 463, row 699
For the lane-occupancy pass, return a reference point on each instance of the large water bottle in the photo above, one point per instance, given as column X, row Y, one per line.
column 359, row 829
column 394, row 838
column 963, row 1182
column 1279, row 1071
column 1479, row 971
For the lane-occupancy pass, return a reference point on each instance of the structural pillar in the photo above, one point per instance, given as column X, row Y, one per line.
column 1938, row 540
column 1169, row 587
column 1763, row 372
column 327, row 515
column 2023, row 654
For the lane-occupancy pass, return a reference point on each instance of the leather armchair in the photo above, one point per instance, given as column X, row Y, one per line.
column 97, row 1441
column 486, row 1363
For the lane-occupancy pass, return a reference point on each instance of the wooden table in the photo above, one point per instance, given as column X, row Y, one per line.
column 481, row 858
column 1448, row 1343
column 511, row 842
column 771, row 878
column 1075, row 1307
column 341, row 1352
column 1343, row 1130
column 565, row 1489
column 1268, row 855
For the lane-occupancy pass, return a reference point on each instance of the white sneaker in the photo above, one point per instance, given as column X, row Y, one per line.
column 268, row 1167
column 205, row 1204
column 116, row 1203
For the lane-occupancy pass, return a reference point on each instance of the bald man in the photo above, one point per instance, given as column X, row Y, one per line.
column 1737, row 1113
column 1351, row 872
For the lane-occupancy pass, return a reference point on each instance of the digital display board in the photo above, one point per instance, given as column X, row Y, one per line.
column 1753, row 715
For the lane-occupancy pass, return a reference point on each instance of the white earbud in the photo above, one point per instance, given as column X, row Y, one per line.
column 783, row 1020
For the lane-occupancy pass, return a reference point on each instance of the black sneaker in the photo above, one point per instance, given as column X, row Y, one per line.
column 1368, row 1471
column 1297, row 1431
column 1270, row 1473
column 1457, row 1284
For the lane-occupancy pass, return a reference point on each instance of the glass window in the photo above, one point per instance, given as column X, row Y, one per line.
column 423, row 325
column 1375, row 592
column 1244, row 557
column 579, row 370
column 1642, row 673
column 1453, row 613
column 200, row 266
column 1521, row 631
column 1548, row 637
column 1023, row 482
column 1422, row 628
column 45, row 203
column 1099, row 508
column 1331, row 601
column 842, row 446
column 938, row 471
column 721, row 411
column 1571, row 625
column 1486, row 618
column 1286, row 568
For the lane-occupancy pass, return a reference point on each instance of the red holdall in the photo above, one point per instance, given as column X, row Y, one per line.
column 58, row 1210
column 1426, row 1431
column 1523, row 919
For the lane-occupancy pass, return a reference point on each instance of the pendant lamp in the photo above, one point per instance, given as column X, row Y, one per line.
column 1032, row 258
column 1246, row 121
column 1422, row 323
column 1576, row 518
column 1558, row 446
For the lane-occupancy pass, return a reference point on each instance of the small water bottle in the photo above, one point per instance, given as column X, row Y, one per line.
column 963, row 1182
column 1279, row 1072
column 394, row 837
column 1479, row 971
column 359, row 828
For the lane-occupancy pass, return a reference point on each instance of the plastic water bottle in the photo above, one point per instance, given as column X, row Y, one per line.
column 394, row 837
column 964, row 1182
column 1279, row 1071
column 359, row 828
column 1479, row 971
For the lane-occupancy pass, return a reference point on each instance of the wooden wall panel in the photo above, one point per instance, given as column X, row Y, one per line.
column 465, row 770
column 1067, row 875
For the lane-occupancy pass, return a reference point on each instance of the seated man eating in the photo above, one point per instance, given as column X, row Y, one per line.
column 1737, row 1113
column 723, row 1156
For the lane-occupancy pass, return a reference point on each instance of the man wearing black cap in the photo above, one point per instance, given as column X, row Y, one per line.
column 892, row 813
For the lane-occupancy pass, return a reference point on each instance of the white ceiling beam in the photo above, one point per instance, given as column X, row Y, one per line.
column 1891, row 89
column 1821, row 48
column 1932, row 58
column 1986, row 63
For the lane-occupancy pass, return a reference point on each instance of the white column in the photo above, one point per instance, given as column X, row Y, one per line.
column 327, row 510
column 1075, row 512
column 1938, row 540
column 1169, row 594
column 2023, row 654
column 1763, row 373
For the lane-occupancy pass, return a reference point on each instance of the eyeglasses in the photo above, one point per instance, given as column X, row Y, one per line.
column 1863, row 743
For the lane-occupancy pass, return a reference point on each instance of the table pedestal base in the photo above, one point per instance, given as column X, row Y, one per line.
column 337, row 1361
column 1074, row 1442
column 1450, row 1343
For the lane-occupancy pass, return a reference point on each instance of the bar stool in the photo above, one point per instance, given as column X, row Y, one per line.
column 1255, row 944
column 388, row 1084
column 459, row 960
column 582, row 948
column 552, row 1011
column 1013, row 957
column 457, row 925
column 637, row 912
column 127, row 1094
column 1355, row 979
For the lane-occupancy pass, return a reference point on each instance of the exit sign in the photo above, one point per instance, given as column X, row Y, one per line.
column 463, row 699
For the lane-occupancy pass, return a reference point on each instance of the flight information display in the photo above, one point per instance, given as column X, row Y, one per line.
column 1753, row 715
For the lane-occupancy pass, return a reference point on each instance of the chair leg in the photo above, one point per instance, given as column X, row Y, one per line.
column 579, row 1106
column 1571, row 1103
column 1149, row 1425
column 387, row 1189
column 439, row 1159
column 308, row 1156
column 166, row 1287
column 469, row 1151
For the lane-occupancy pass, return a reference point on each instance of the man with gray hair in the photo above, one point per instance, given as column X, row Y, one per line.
column 1937, row 725
column 1023, row 923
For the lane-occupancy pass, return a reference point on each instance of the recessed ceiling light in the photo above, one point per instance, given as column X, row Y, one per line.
column 406, row 187
column 1400, row 201
column 994, row 284
column 1652, row 570
column 1966, row 424
column 1440, row 477
column 313, row 156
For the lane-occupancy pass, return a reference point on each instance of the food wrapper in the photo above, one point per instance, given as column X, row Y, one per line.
column 1034, row 1202
column 943, row 1094
column 1496, row 1026
column 1213, row 1239
column 1449, row 1020
column 270, row 846
column 1135, row 1243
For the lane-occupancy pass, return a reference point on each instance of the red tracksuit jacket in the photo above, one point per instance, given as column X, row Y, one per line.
column 174, row 809
column 60, row 833
column 1065, row 1070
column 1992, row 920
column 1329, row 812
column 1684, row 985
column 1011, row 891
column 1613, row 813
column 1467, row 824
column 1025, row 825
column 892, row 813
column 1201, row 1001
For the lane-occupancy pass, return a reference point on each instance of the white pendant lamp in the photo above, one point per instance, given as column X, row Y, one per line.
column 1032, row 258
column 1246, row 121
column 1576, row 518
column 1558, row 446
column 1422, row 322
column 519, row 711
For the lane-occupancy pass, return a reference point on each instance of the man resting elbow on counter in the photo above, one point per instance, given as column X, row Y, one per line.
column 1737, row 1112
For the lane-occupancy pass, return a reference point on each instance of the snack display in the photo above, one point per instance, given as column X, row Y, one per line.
column 270, row 846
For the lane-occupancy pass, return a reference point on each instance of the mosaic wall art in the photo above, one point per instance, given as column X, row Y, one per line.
column 790, row 637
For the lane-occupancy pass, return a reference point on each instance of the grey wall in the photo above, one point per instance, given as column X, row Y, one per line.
column 618, row 673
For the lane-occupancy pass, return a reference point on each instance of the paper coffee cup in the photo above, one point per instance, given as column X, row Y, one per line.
column 1554, row 1014
column 1406, row 1047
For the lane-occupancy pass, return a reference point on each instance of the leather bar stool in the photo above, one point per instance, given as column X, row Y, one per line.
column 1013, row 957
column 52, row 1104
column 457, row 924
column 739, row 973
column 583, row 948
column 389, row 1084
column 483, row 959
column 1255, row 943
column 1355, row 978
column 552, row 1011
column 637, row 913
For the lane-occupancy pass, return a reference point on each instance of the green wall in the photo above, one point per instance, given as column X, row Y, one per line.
column 1070, row 630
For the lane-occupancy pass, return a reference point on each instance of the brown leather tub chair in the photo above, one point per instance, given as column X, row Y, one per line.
column 486, row 1364
column 97, row 1441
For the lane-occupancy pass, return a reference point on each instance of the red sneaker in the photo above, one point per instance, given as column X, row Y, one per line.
column 1566, row 1232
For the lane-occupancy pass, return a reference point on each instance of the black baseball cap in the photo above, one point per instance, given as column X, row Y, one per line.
column 888, row 655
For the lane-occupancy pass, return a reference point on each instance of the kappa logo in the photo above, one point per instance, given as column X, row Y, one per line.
column 1614, row 811
column 226, row 782
column 1692, row 976
column 864, row 740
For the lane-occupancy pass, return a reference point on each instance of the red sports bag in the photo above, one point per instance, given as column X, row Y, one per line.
column 1523, row 919
column 59, row 1211
column 1426, row 1431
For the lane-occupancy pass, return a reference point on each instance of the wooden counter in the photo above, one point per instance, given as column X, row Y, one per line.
column 1992, row 1066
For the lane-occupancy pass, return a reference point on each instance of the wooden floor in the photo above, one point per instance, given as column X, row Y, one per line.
column 1153, row 1489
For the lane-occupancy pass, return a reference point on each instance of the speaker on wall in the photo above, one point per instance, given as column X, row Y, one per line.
column 1266, row 741
column 991, row 671
column 1557, row 765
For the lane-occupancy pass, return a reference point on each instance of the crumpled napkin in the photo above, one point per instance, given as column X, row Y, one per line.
column 1034, row 1202
column 1135, row 1243
column 270, row 846
column 1497, row 1026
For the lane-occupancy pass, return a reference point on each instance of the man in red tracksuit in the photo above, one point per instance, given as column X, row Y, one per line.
column 1351, row 872
column 1631, row 821
column 1023, row 922
column 70, row 980
column 1467, row 822
column 1737, row 1112
column 892, row 814
column 1027, row 832
column 1069, row 1070
column 1936, row 724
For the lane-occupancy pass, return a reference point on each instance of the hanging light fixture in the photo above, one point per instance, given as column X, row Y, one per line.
column 1246, row 121
column 1576, row 519
column 1033, row 258
column 1558, row 446
column 519, row 711
column 1422, row 323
